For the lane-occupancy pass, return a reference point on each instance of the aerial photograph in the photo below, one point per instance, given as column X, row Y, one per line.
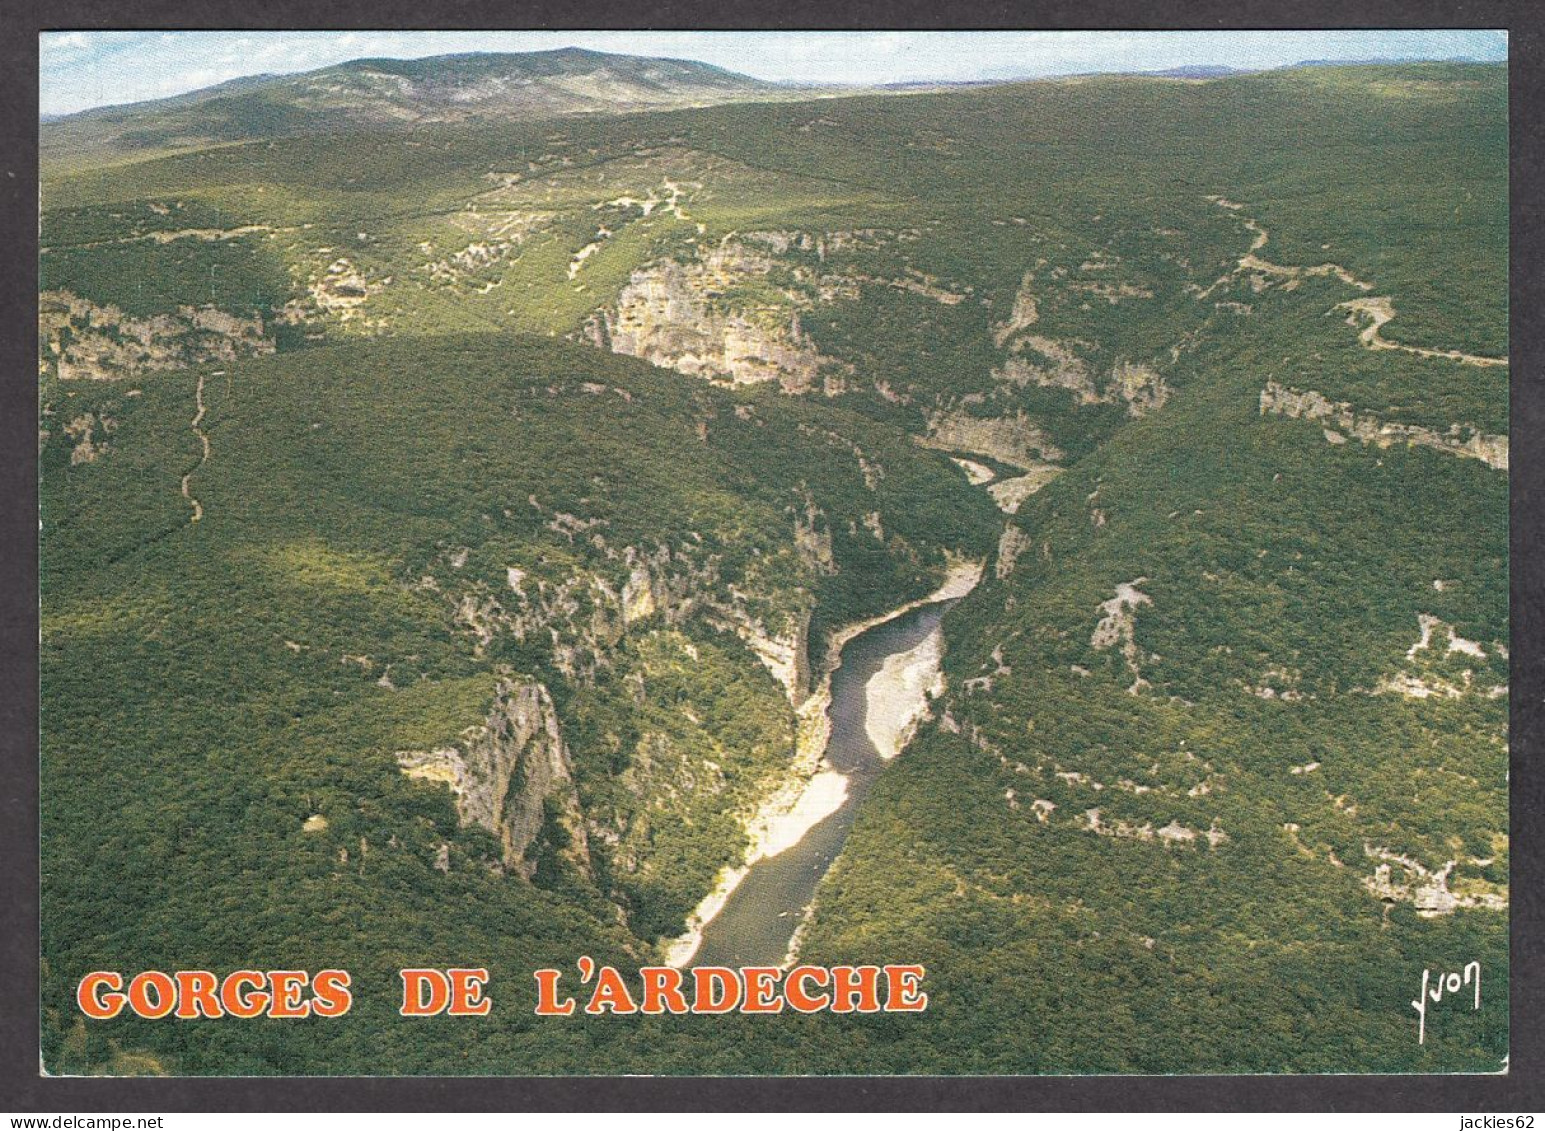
column 773, row 553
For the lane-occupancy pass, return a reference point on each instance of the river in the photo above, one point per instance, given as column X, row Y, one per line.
column 758, row 922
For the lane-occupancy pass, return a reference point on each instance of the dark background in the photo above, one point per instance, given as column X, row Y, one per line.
column 22, row 1090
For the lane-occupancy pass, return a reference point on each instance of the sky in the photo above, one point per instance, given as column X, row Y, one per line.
column 82, row 69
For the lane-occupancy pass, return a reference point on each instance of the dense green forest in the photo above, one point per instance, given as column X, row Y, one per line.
column 444, row 527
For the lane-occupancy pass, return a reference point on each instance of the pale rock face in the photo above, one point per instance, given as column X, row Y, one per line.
column 79, row 340
column 585, row 615
column 1116, row 628
column 1009, row 494
column 665, row 315
column 1024, row 315
column 976, row 473
column 785, row 655
column 1014, row 440
column 1426, row 682
column 732, row 314
column 897, row 696
column 1400, row 879
column 783, row 651
column 1141, row 387
column 1171, row 835
column 638, row 601
column 504, row 772
column 813, row 538
column 83, row 431
column 1011, row 544
column 341, row 290
column 1426, row 623
column 1176, row 833
column 1056, row 366
column 1459, row 440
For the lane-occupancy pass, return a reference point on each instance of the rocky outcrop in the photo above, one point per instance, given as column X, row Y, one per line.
column 1012, row 543
column 84, row 431
column 1432, row 672
column 1400, row 879
column 1140, row 386
column 338, row 292
column 473, row 259
column 1463, row 440
column 1117, row 625
column 511, row 774
column 582, row 615
column 579, row 613
column 698, row 318
column 732, row 313
column 1056, row 365
column 1014, row 440
column 786, row 654
column 813, row 536
column 1171, row 835
column 79, row 340
column 1053, row 365
column 1024, row 315
column 1008, row 494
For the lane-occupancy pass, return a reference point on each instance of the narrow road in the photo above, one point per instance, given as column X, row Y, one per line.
column 1372, row 313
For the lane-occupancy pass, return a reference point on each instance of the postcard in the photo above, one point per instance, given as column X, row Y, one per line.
column 774, row 553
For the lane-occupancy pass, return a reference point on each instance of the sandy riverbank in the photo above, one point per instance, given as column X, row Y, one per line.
column 814, row 790
column 897, row 696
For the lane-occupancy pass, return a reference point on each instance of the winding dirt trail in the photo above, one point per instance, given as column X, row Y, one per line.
column 1371, row 313
column 1375, row 312
column 198, row 419
column 208, row 235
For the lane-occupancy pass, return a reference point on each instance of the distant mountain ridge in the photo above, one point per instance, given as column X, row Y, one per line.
column 376, row 93
column 1198, row 71
column 383, row 92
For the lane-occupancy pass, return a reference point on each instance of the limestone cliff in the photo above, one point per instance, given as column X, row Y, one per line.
column 1057, row 365
column 1011, row 544
column 1013, row 439
column 1398, row 878
column 784, row 654
column 1342, row 421
column 581, row 615
column 699, row 318
column 79, row 340
column 508, row 773
column 732, row 312
column 1052, row 363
